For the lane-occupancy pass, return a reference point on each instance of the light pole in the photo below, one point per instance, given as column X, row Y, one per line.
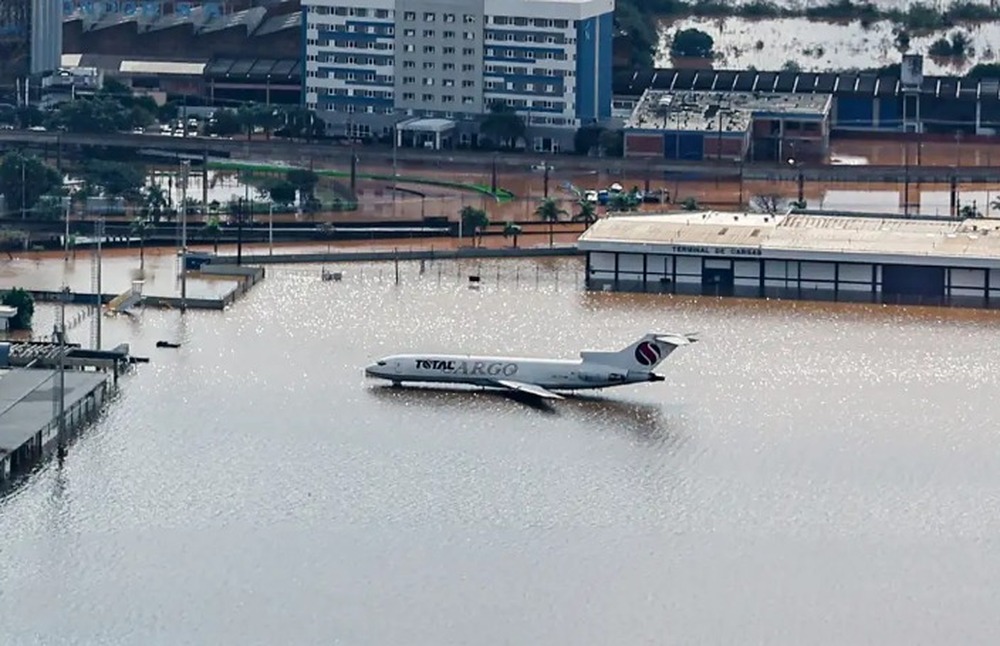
column 185, row 169
column 270, row 229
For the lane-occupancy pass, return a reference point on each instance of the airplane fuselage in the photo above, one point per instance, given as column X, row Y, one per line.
column 558, row 374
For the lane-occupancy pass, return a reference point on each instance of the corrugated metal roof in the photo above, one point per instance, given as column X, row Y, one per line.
column 162, row 67
column 812, row 234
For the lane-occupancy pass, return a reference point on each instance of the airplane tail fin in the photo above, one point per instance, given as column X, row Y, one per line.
column 643, row 355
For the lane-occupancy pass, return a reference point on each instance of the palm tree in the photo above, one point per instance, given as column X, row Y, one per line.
column 549, row 211
column 474, row 220
column 154, row 201
column 214, row 229
column 587, row 214
column 140, row 227
column 511, row 229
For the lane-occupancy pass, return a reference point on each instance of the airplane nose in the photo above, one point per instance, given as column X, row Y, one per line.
column 372, row 370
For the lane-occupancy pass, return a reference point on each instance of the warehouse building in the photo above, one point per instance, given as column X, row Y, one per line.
column 886, row 260
column 730, row 126
column 882, row 101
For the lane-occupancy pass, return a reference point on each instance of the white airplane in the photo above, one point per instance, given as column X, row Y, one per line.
column 537, row 377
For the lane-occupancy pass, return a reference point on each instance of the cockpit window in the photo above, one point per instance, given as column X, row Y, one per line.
column 380, row 363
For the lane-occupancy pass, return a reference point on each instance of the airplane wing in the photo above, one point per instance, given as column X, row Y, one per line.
column 530, row 389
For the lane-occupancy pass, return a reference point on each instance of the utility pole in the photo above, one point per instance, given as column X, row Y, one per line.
column 23, row 182
column 61, row 383
column 239, row 231
column 185, row 170
column 66, row 234
column 395, row 143
column 99, row 314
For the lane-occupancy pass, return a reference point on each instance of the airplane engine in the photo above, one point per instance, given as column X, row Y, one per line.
column 602, row 376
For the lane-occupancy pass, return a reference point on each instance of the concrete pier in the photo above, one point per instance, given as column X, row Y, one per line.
column 29, row 423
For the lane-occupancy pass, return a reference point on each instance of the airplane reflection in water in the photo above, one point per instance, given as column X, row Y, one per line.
column 643, row 421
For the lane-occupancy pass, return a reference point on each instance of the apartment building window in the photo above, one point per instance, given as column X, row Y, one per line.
column 409, row 64
column 408, row 96
column 449, row 17
column 408, row 48
column 448, row 82
column 468, row 19
column 449, row 34
column 520, row 22
column 448, row 50
column 358, row 12
column 428, row 49
column 428, row 98
column 428, row 65
column 340, row 11
column 428, row 81
column 428, row 17
column 550, row 88
column 409, row 15
column 529, row 87
column 468, row 67
column 381, row 13
column 468, row 35
column 409, row 33
column 428, row 33
column 447, row 98
column 468, row 100
column 560, row 24
column 468, row 51
column 468, row 84
column 409, row 80
column 492, row 85
column 448, row 66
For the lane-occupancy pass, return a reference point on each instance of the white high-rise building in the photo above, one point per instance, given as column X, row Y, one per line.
column 437, row 66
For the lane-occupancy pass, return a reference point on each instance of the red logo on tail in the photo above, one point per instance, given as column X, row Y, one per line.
column 647, row 353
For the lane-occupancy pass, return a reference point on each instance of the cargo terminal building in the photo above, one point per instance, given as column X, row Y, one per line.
column 880, row 260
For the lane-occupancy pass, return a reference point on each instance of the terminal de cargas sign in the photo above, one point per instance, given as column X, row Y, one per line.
column 697, row 250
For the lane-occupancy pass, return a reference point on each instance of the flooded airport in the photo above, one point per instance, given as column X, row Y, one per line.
column 807, row 473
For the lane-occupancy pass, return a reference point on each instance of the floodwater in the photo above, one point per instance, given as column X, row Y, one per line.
column 816, row 474
column 160, row 273
column 822, row 46
column 936, row 203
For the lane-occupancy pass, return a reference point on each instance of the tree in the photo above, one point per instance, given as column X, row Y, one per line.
column 213, row 229
column 623, row 202
column 304, row 181
column 225, row 123
column 587, row 214
column 116, row 179
column 12, row 240
column 140, row 227
column 474, row 220
column 154, row 201
column 512, row 230
column 282, row 192
column 612, row 142
column 97, row 115
column 503, row 124
column 548, row 210
column 767, row 203
column 692, row 43
column 969, row 212
column 25, row 304
column 38, row 179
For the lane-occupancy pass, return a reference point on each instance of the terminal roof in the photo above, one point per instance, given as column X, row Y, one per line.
column 801, row 235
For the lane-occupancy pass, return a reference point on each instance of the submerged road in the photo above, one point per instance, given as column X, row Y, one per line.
column 291, row 150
